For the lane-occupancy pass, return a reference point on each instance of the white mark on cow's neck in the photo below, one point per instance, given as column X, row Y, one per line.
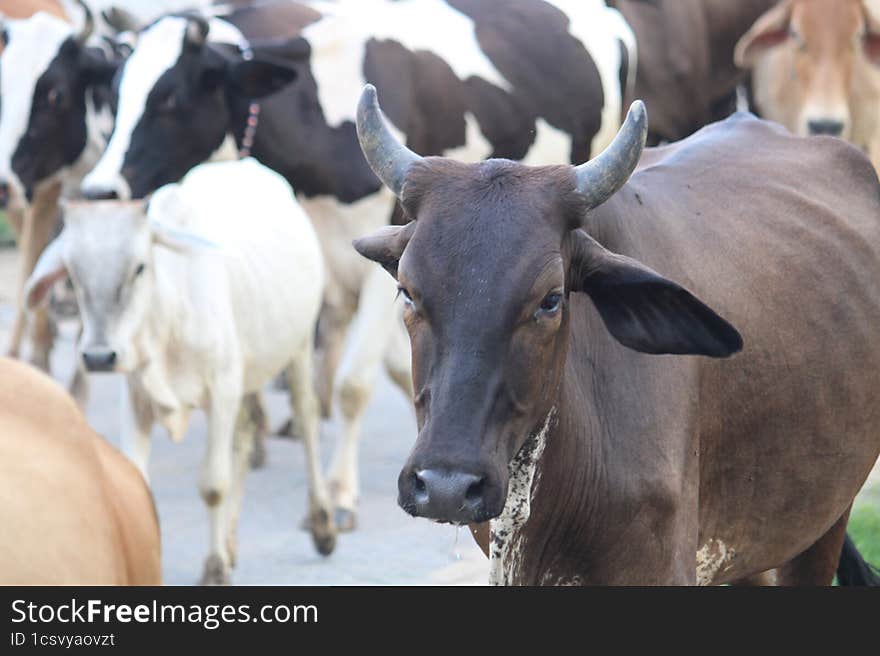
column 712, row 558
column 505, row 539
column 33, row 44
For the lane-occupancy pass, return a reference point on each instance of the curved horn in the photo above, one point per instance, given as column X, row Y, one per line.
column 389, row 159
column 88, row 24
column 601, row 177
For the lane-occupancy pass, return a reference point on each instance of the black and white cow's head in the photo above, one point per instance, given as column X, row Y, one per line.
column 48, row 76
column 179, row 94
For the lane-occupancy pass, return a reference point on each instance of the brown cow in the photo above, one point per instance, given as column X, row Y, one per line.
column 685, row 70
column 816, row 68
column 537, row 326
column 82, row 514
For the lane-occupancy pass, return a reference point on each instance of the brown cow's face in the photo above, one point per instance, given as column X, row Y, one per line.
column 484, row 284
column 815, row 67
column 486, row 268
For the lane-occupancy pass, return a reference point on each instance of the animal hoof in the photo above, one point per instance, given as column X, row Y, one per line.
column 346, row 520
column 216, row 572
column 258, row 454
column 287, row 430
column 323, row 531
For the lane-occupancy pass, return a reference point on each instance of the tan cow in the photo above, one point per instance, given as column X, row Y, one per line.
column 816, row 68
column 82, row 514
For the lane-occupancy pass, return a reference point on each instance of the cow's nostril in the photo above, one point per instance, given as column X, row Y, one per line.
column 100, row 194
column 99, row 360
column 829, row 127
column 475, row 492
column 420, row 490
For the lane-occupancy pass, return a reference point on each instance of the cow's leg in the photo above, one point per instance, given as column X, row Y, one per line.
column 216, row 477
column 330, row 340
column 368, row 338
column 304, row 404
column 247, row 427
column 136, row 426
column 37, row 225
column 259, row 423
column 818, row 564
column 398, row 360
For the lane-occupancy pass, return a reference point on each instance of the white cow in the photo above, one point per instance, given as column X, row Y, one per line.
column 201, row 299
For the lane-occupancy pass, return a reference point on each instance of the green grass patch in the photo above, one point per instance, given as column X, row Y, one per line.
column 6, row 235
column 864, row 527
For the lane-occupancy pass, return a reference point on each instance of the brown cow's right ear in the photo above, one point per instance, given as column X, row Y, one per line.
column 386, row 246
column 50, row 269
column 769, row 31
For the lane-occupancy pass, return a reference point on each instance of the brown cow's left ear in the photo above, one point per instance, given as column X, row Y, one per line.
column 386, row 246
column 769, row 31
column 643, row 310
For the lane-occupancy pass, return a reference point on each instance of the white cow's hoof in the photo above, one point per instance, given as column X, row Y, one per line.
column 216, row 572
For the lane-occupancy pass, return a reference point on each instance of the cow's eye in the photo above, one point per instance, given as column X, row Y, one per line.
column 139, row 269
column 168, row 103
column 407, row 299
column 551, row 304
column 54, row 97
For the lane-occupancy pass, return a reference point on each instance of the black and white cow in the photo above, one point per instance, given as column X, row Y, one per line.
column 532, row 80
column 55, row 118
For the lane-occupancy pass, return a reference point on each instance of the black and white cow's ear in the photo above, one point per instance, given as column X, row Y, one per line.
column 386, row 245
column 50, row 269
column 96, row 67
column 258, row 78
column 643, row 310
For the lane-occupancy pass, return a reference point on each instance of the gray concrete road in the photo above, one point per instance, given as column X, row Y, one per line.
column 389, row 547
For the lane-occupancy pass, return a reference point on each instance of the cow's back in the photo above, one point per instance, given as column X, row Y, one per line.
column 75, row 510
column 264, row 277
column 781, row 236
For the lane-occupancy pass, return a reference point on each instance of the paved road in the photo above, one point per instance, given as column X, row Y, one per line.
column 388, row 548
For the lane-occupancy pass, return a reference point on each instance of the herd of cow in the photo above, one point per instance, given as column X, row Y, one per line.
column 548, row 274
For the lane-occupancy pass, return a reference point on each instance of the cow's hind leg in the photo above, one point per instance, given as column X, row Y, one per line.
column 818, row 564
column 259, row 423
column 305, row 408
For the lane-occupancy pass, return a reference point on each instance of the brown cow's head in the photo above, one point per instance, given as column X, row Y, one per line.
column 813, row 63
column 486, row 268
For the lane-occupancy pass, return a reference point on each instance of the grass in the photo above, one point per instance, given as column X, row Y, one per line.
column 864, row 527
column 6, row 236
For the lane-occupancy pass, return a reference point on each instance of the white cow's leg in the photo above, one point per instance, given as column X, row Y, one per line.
column 305, row 407
column 216, row 478
column 361, row 364
column 137, row 422
column 259, row 423
column 247, row 427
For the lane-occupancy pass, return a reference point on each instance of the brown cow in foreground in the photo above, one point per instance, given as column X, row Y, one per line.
column 77, row 511
column 816, row 68
column 538, row 318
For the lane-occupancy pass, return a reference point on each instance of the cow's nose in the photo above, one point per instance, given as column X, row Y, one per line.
column 100, row 194
column 830, row 127
column 99, row 359
column 445, row 496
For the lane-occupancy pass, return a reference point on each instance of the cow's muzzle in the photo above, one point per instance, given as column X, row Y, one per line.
column 99, row 359
column 454, row 497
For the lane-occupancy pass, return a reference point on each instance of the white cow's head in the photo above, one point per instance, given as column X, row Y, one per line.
column 107, row 249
